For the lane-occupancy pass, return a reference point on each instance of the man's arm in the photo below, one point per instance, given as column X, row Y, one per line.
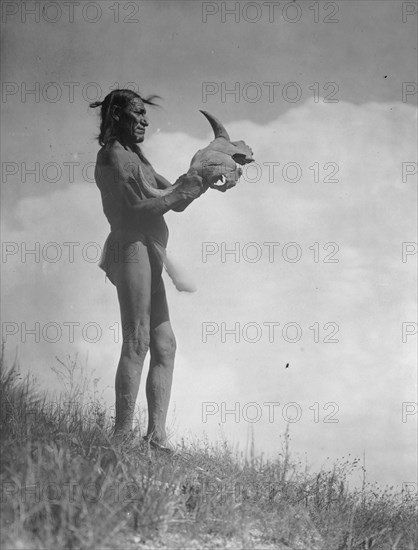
column 163, row 183
column 117, row 175
column 190, row 188
column 117, row 178
column 153, row 207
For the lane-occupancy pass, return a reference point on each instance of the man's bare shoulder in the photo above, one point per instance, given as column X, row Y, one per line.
column 114, row 154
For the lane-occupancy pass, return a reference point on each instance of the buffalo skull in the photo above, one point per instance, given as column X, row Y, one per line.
column 218, row 164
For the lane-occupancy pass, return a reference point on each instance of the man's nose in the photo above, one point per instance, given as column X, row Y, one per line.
column 144, row 121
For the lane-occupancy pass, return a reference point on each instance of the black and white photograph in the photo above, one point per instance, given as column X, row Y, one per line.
column 209, row 275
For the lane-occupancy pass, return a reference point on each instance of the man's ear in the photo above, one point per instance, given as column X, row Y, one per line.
column 115, row 112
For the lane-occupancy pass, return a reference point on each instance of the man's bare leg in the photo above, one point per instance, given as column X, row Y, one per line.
column 159, row 381
column 133, row 282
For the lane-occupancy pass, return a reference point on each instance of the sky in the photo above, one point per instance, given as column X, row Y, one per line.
column 310, row 259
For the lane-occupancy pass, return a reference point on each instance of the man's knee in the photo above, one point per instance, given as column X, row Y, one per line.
column 164, row 348
column 136, row 340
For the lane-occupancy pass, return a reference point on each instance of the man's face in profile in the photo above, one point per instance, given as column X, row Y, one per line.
column 133, row 121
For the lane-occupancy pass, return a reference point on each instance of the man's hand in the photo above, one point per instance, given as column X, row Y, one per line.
column 190, row 187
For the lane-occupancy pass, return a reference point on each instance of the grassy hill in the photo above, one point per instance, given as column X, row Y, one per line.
column 65, row 487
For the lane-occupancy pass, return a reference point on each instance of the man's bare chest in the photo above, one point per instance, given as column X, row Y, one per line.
column 141, row 170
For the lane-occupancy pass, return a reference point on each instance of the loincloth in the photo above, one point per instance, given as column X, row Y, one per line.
column 121, row 247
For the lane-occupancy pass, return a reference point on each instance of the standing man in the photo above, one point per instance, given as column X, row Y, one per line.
column 133, row 257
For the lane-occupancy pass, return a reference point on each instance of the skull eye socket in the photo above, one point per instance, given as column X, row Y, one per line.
column 220, row 181
column 242, row 159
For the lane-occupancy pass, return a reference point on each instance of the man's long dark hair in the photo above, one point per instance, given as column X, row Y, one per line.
column 116, row 98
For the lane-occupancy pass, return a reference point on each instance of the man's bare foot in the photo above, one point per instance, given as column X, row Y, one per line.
column 157, row 446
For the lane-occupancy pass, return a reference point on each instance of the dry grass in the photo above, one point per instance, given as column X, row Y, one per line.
column 64, row 486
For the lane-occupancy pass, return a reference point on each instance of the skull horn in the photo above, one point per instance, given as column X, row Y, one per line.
column 217, row 126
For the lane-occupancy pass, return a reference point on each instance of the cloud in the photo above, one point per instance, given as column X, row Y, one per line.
column 362, row 300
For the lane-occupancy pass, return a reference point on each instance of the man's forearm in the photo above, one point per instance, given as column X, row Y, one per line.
column 181, row 207
column 156, row 206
